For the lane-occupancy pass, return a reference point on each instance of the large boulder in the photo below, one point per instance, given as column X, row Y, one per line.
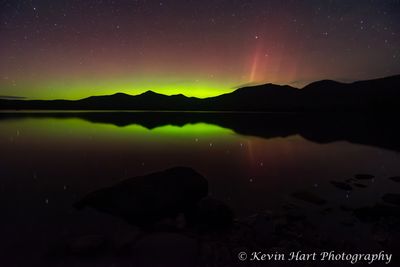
column 145, row 200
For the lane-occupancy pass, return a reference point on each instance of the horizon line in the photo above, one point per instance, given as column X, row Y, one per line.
column 245, row 85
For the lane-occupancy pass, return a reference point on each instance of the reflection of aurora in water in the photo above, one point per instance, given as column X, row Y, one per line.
column 76, row 128
column 253, row 167
column 49, row 163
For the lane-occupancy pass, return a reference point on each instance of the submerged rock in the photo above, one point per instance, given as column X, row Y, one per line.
column 145, row 200
column 345, row 208
column 87, row 245
column 364, row 176
column 395, row 179
column 326, row 210
column 360, row 185
column 376, row 213
column 342, row 185
column 392, row 199
column 309, row 197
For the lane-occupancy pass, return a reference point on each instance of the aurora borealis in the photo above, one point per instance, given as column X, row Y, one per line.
column 73, row 49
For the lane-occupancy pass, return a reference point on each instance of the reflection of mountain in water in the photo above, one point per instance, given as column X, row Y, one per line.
column 369, row 129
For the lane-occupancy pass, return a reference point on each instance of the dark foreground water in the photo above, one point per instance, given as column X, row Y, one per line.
column 254, row 163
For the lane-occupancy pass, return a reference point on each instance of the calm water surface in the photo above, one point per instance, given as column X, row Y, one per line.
column 46, row 164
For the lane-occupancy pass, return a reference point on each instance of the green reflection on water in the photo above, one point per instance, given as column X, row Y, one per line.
column 71, row 128
column 203, row 129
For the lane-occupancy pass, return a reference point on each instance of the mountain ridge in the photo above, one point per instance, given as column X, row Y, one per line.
column 327, row 95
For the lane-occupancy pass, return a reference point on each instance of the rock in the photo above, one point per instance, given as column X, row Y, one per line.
column 263, row 229
column 342, row 185
column 377, row 212
column 215, row 254
column 387, row 233
column 348, row 223
column 309, row 197
column 145, row 200
column 289, row 206
column 392, row 199
column 212, row 214
column 395, row 179
column 326, row 210
column 87, row 245
column 171, row 223
column 124, row 240
column 165, row 249
column 380, row 236
column 295, row 215
column 346, row 208
column 364, row 176
column 360, row 185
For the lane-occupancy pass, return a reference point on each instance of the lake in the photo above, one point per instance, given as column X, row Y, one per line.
column 253, row 163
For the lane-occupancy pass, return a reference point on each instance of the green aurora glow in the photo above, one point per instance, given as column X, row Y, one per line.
column 72, row 89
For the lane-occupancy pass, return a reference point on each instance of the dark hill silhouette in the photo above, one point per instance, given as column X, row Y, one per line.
column 256, row 98
column 145, row 101
column 323, row 84
column 378, row 94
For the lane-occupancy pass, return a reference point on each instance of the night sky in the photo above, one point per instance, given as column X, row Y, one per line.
column 73, row 49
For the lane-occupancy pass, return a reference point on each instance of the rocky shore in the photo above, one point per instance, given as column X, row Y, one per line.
column 205, row 232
